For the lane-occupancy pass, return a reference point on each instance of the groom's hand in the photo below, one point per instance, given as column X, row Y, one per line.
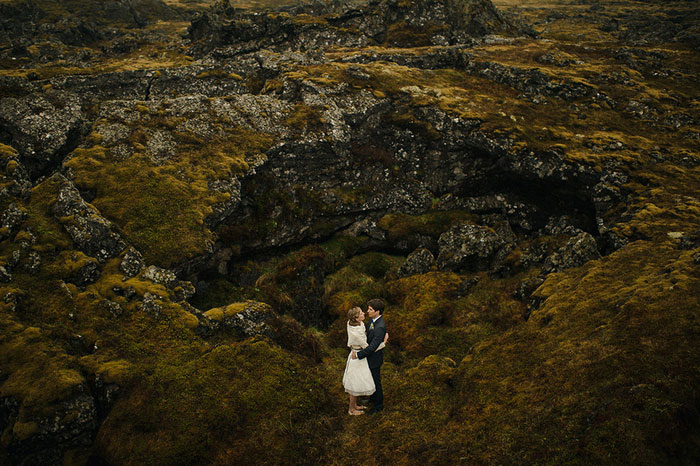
column 354, row 355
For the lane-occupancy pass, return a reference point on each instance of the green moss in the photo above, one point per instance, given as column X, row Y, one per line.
column 251, row 394
column 39, row 373
column 401, row 226
column 401, row 34
column 7, row 151
column 24, row 430
column 305, row 118
column 130, row 192
column 220, row 313
column 50, row 235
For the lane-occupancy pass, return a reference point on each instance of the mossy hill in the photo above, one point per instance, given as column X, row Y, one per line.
column 194, row 193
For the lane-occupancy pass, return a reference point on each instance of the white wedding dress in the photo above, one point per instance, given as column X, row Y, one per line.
column 357, row 379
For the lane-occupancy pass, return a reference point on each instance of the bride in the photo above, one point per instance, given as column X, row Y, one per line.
column 357, row 379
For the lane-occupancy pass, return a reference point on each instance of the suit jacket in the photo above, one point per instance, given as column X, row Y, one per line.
column 375, row 337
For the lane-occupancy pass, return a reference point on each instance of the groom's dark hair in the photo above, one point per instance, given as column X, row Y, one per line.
column 376, row 304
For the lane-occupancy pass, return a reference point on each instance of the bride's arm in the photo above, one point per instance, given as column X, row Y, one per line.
column 383, row 344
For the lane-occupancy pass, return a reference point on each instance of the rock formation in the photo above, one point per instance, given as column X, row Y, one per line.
column 186, row 217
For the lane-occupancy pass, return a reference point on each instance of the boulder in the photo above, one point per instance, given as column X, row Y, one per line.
column 418, row 262
column 45, row 436
column 132, row 262
column 43, row 127
column 92, row 233
column 577, row 251
column 467, row 247
column 245, row 319
column 11, row 219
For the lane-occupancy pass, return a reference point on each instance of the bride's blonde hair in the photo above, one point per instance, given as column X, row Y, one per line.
column 353, row 315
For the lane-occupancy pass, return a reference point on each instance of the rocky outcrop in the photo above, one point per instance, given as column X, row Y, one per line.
column 92, row 233
column 418, row 262
column 75, row 23
column 43, row 437
column 467, row 247
column 43, row 128
column 577, row 251
column 244, row 319
column 319, row 25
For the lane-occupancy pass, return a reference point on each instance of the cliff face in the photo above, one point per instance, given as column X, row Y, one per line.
column 189, row 210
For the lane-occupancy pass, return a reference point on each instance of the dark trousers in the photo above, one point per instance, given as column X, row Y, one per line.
column 377, row 398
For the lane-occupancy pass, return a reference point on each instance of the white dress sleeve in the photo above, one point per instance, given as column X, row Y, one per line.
column 357, row 337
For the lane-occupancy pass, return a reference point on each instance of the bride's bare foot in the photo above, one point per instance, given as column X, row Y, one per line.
column 360, row 408
column 353, row 412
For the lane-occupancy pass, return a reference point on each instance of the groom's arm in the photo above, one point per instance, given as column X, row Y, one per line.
column 377, row 340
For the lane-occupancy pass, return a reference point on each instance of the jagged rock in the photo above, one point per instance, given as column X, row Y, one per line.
column 467, row 247
column 527, row 287
column 33, row 262
column 561, row 226
column 13, row 299
column 160, row 276
column 43, row 127
column 149, row 304
column 690, row 241
column 113, row 308
column 11, row 219
column 14, row 259
column 246, row 319
column 128, row 292
column 91, row 232
column 533, row 82
column 183, row 289
column 71, row 423
column 224, row 209
column 608, row 192
column 418, row 262
column 430, row 22
column 579, row 250
column 86, row 274
column 367, row 227
column 132, row 262
column 5, row 276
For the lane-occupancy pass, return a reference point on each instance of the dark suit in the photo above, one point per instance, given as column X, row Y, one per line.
column 375, row 337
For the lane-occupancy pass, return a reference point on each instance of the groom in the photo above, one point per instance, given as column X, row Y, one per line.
column 375, row 329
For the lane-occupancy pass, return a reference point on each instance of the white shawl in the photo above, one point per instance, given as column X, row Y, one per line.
column 357, row 339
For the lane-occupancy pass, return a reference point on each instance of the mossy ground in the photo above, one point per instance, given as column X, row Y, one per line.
column 603, row 372
column 133, row 192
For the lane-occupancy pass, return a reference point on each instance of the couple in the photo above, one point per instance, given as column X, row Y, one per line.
column 362, row 371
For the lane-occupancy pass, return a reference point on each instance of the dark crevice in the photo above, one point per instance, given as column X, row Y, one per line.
column 147, row 95
column 44, row 169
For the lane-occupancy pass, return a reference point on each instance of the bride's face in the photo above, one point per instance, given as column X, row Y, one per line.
column 361, row 317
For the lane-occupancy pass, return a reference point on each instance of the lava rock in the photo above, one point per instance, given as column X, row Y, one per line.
column 86, row 274
column 92, row 233
column 160, row 276
column 577, row 251
column 11, row 219
column 43, row 127
column 245, row 319
column 467, row 247
column 418, row 262
column 132, row 262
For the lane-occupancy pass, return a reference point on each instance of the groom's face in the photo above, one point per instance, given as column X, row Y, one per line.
column 371, row 312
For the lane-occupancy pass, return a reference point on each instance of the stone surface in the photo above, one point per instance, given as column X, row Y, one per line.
column 467, row 247
column 92, row 233
column 577, row 251
column 418, row 262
